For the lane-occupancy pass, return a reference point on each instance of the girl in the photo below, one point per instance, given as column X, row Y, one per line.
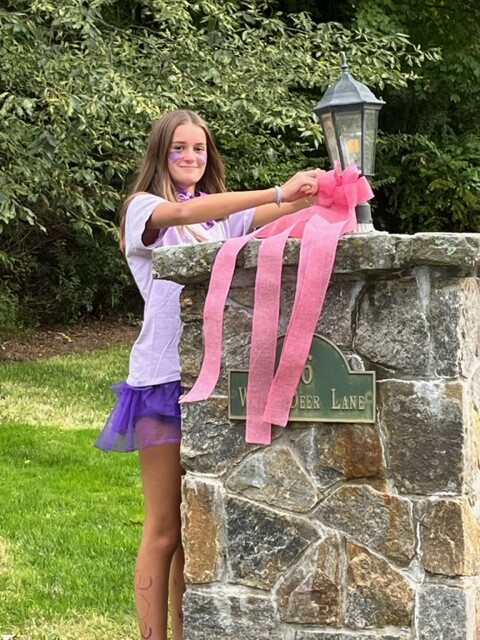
column 181, row 162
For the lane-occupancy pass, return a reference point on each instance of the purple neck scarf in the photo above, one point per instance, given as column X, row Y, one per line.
column 183, row 196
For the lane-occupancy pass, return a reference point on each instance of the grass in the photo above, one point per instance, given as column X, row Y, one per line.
column 70, row 515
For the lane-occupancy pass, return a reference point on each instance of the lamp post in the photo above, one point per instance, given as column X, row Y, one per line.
column 348, row 113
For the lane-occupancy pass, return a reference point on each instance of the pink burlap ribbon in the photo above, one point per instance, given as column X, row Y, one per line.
column 269, row 392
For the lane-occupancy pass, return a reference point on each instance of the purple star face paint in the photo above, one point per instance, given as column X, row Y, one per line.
column 176, row 156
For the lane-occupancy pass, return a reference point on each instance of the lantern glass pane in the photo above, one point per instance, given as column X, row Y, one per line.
column 330, row 137
column 349, row 131
column 371, row 121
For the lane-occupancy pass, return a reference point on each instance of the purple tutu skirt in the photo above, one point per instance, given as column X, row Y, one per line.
column 142, row 417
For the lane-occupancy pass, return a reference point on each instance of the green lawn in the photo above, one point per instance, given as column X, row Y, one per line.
column 70, row 515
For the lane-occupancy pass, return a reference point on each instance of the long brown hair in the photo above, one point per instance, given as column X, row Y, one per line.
column 153, row 175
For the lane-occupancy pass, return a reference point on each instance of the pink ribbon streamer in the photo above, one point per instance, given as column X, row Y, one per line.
column 269, row 392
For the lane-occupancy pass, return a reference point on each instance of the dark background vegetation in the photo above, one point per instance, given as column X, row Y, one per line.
column 81, row 82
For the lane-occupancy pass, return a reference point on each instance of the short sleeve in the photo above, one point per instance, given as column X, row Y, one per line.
column 138, row 212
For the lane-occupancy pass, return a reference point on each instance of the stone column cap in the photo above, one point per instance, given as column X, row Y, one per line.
column 363, row 252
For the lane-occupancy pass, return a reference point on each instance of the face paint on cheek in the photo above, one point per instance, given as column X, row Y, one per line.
column 202, row 158
column 175, row 156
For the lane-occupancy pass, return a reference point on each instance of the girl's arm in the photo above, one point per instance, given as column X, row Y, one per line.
column 270, row 212
column 219, row 205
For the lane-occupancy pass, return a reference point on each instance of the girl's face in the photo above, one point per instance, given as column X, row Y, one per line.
column 187, row 156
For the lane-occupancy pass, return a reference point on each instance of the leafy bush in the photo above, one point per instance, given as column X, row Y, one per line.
column 9, row 311
column 81, row 82
column 430, row 187
column 429, row 153
column 64, row 276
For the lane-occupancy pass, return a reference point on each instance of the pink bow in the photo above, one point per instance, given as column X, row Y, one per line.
column 269, row 392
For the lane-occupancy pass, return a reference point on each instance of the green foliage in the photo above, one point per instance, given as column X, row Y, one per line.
column 432, row 188
column 62, row 274
column 430, row 152
column 9, row 311
column 81, row 82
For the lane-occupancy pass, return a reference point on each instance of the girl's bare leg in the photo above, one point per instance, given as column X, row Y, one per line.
column 176, row 590
column 161, row 477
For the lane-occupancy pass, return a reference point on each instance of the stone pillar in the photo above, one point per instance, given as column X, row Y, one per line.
column 342, row 531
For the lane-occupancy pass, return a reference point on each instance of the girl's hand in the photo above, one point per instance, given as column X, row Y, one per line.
column 302, row 184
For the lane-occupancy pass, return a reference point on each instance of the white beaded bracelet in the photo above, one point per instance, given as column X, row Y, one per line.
column 278, row 191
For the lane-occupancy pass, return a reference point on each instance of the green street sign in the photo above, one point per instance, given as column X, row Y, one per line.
column 328, row 390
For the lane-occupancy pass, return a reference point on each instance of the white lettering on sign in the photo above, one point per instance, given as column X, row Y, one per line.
column 347, row 403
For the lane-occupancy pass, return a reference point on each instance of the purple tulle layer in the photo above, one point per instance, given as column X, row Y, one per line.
column 142, row 417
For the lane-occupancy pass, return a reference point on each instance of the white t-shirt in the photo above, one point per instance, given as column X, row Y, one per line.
column 154, row 357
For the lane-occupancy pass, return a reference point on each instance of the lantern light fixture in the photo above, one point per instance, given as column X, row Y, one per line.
column 348, row 113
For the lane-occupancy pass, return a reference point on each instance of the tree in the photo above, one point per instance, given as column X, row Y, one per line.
column 80, row 84
column 429, row 152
